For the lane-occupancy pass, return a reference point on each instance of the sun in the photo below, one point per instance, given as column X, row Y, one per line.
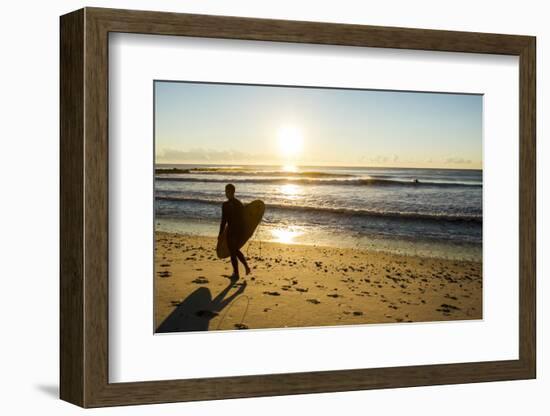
column 291, row 141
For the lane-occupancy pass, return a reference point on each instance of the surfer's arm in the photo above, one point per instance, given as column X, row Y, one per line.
column 223, row 222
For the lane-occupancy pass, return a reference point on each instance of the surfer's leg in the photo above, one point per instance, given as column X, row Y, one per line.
column 242, row 258
column 235, row 265
column 233, row 251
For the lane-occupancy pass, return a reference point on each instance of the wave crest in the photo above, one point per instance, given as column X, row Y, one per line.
column 354, row 181
column 344, row 211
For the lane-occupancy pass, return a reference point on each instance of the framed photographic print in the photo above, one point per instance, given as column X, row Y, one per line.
column 255, row 207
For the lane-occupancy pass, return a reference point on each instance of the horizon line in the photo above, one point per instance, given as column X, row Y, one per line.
column 312, row 166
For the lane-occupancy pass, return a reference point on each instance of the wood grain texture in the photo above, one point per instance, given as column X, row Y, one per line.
column 71, row 184
column 527, row 207
column 84, row 207
column 96, row 220
column 162, row 23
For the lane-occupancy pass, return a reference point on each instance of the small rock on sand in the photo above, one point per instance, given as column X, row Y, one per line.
column 206, row 314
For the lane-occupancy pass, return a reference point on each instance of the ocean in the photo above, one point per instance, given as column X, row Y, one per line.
column 428, row 212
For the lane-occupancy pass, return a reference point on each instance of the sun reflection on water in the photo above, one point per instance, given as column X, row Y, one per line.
column 290, row 168
column 285, row 235
column 291, row 190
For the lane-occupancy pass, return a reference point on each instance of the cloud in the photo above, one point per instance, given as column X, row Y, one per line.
column 382, row 159
column 458, row 161
column 374, row 159
column 205, row 155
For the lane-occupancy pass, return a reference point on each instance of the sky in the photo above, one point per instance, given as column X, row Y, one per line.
column 251, row 124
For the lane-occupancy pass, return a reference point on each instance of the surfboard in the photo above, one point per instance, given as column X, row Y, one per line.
column 253, row 213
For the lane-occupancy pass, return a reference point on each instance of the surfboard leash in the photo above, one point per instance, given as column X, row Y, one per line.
column 229, row 308
column 252, row 239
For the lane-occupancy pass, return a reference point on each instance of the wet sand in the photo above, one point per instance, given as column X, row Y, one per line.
column 304, row 286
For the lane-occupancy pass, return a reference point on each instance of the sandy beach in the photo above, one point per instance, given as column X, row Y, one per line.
column 306, row 286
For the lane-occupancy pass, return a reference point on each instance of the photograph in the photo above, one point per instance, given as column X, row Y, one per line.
column 286, row 206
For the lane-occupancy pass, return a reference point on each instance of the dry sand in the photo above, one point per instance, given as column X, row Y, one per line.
column 299, row 286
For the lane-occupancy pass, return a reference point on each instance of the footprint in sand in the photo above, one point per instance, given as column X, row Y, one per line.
column 446, row 308
column 314, row 301
column 200, row 280
column 272, row 293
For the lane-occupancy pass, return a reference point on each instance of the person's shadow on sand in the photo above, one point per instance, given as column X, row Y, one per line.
column 196, row 310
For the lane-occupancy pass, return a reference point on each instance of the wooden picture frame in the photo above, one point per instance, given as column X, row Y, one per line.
column 84, row 207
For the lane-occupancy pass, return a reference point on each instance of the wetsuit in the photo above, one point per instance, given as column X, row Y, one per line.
column 233, row 216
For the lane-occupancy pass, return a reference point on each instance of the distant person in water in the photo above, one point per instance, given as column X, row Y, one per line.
column 233, row 217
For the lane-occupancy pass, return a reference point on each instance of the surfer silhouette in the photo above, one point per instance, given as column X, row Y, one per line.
column 233, row 218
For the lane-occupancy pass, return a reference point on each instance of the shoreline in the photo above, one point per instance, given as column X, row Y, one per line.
column 311, row 237
column 294, row 285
